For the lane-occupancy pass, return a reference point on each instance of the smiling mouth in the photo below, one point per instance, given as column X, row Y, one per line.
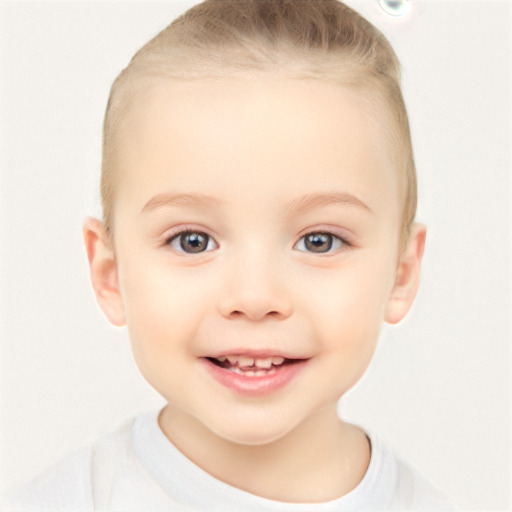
column 251, row 366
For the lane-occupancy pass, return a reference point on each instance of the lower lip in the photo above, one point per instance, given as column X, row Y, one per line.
column 254, row 385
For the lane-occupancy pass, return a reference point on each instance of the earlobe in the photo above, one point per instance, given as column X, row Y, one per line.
column 407, row 278
column 103, row 271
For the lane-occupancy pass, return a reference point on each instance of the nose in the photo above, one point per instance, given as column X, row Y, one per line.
column 255, row 289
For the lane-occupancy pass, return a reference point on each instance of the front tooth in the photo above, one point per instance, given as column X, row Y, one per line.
column 232, row 359
column 245, row 361
column 277, row 360
column 263, row 363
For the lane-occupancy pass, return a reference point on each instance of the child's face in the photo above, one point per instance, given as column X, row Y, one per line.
column 291, row 206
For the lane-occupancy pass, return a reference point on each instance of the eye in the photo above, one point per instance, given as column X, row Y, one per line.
column 192, row 242
column 319, row 242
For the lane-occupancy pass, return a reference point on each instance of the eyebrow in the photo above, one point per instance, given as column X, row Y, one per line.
column 311, row 201
column 307, row 202
column 170, row 199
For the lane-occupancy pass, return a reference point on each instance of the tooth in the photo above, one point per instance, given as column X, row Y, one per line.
column 221, row 358
column 263, row 363
column 245, row 361
column 277, row 360
column 252, row 373
column 232, row 359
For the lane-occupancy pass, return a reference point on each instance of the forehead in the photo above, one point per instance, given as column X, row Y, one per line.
column 249, row 134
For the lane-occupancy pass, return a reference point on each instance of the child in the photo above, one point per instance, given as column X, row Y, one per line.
column 259, row 195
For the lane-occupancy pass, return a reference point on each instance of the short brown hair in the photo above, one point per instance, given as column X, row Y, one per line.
column 322, row 39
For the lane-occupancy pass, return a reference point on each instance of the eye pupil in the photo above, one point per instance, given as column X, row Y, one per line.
column 318, row 242
column 193, row 242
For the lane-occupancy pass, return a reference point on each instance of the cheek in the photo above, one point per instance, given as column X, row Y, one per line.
column 350, row 311
column 348, row 340
column 163, row 307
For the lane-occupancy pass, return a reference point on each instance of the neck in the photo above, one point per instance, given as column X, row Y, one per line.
column 320, row 460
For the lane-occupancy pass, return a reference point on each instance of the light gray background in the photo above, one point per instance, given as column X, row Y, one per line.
column 439, row 388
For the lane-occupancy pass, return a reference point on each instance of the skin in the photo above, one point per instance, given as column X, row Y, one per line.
column 259, row 148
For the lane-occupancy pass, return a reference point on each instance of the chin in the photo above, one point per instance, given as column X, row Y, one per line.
column 246, row 438
column 251, row 431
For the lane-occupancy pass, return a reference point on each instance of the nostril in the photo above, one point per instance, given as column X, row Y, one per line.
column 255, row 315
column 253, row 304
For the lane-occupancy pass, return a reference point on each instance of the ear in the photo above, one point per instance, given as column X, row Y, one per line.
column 103, row 271
column 407, row 277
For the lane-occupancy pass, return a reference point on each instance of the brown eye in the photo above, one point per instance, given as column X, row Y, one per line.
column 192, row 242
column 319, row 243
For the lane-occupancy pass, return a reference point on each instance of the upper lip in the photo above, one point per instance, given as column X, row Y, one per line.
column 256, row 353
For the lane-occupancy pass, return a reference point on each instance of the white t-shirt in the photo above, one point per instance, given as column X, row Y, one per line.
column 138, row 469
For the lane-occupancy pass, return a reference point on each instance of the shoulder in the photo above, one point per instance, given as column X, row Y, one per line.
column 410, row 490
column 63, row 487
column 415, row 489
column 74, row 482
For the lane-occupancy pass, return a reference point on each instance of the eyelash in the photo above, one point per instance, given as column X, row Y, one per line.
column 334, row 240
column 178, row 237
